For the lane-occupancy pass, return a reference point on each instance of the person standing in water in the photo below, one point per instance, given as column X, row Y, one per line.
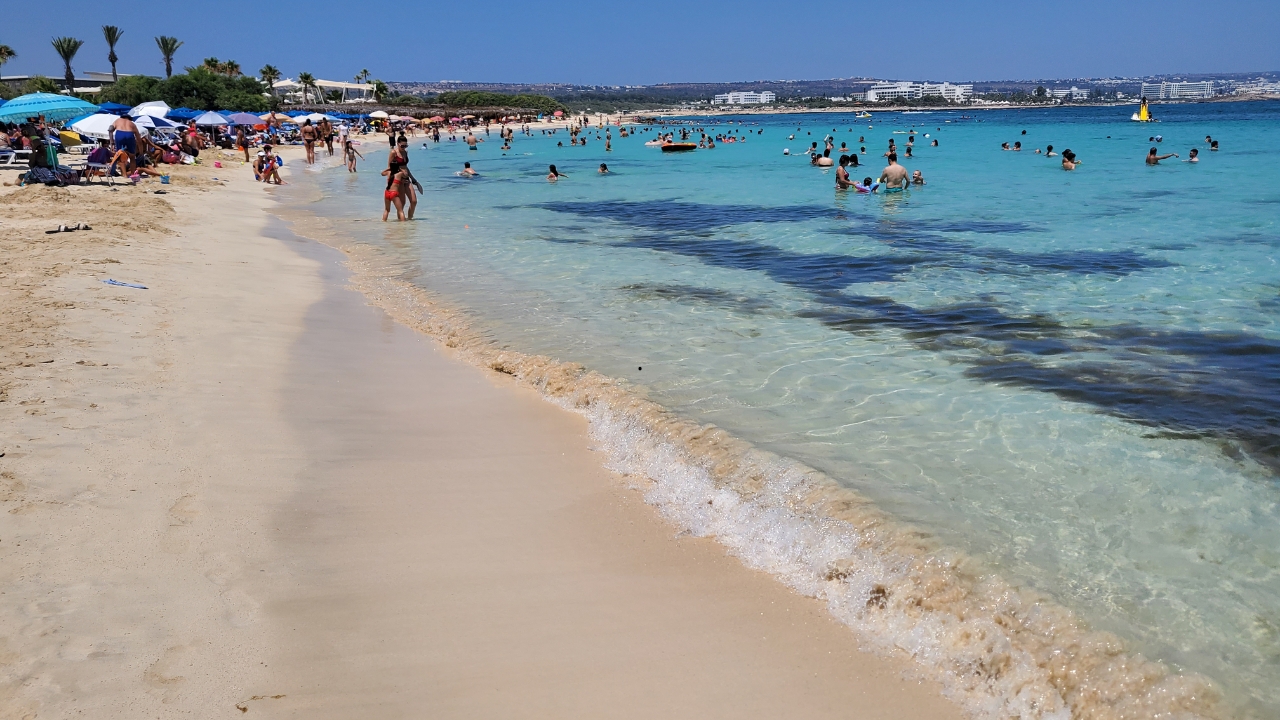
column 554, row 175
column 1154, row 159
column 309, row 140
column 471, row 141
column 351, row 153
column 894, row 176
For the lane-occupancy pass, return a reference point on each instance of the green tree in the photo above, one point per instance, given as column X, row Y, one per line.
column 131, row 90
column 39, row 84
column 308, row 81
column 67, row 47
column 6, row 54
column 480, row 99
column 202, row 89
column 362, row 76
column 380, row 90
column 270, row 74
column 112, row 35
column 168, row 48
column 1041, row 92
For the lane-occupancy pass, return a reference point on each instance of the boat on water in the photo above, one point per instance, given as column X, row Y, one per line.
column 679, row 147
column 863, row 115
column 1143, row 114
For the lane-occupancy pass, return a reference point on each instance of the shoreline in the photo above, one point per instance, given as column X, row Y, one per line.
column 991, row 644
column 183, row 539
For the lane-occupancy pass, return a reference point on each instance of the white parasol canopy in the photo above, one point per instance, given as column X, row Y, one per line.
column 98, row 126
column 155, row 108
column 381, row 115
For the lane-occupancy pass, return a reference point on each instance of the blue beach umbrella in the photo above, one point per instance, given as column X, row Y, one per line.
column 113, row 108
column 54, row 107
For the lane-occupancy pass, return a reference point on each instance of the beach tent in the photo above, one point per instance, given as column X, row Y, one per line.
column 55, row 108
column 155, row 108
column 116, row 108
column 244, row 119
column 378, row 114
column 97, row 126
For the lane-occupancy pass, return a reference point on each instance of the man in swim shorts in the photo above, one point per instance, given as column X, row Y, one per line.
column 125, row 135
column 1154, row 159
column 471, row 140
column 894, row 176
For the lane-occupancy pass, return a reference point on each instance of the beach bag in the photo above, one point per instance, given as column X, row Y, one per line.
column 41, row 175
column 171, row 157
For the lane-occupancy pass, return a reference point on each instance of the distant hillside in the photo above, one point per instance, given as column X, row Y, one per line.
column 608, row 98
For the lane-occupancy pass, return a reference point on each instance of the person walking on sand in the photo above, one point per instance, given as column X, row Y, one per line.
column 894, row 176
column 242, row 141
column 351, row 153
column 309, row 140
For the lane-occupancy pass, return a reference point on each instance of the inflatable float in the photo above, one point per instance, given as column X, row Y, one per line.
column 679, row 147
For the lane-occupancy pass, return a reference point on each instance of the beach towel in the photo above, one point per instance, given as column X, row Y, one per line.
column 117, row 283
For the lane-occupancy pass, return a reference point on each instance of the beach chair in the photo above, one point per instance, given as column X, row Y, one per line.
column 98, row 169
column 14, row 158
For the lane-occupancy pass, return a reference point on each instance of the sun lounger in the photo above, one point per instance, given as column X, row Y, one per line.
column 14, row 158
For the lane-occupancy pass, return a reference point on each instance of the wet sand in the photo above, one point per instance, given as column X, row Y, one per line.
column 264, row 497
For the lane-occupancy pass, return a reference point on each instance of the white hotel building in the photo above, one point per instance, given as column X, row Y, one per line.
column 915, row 91
column 744, row 98
column 1177, row 90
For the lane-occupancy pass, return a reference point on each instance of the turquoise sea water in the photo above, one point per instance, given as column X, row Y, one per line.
column 1072, row 376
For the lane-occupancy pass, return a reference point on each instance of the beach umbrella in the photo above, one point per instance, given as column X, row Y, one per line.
column 96, row 126
column 110, row 107
column 147, row 122
column 468, row 117
column 437, row 118
column 183, row 113
column 557, row 113
column 55, row 108
column 454, row 119
column 211, row 118
column 244, row 119
column 378, row 114
column 155, row 108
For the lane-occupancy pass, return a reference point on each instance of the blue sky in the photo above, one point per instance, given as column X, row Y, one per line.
column 645, row 43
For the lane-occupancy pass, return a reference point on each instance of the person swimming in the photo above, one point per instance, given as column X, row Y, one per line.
column 554, row 175
column 1194, row 155
column 604, row 169
column 468, row 171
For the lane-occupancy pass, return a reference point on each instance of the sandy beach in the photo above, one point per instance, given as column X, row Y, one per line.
column 245, row 491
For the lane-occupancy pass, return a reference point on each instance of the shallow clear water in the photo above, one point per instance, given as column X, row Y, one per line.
column 1073, row 376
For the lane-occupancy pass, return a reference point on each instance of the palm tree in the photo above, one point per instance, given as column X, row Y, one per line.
column 362, row 76
column 6, row 54
column 168, row 48
column 270, row 74
column 112, row 34
column 231, row 68
column 380, row 90
column 67, row 47
column 307, row 80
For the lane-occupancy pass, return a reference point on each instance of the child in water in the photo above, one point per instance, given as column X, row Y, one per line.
column 351, row 153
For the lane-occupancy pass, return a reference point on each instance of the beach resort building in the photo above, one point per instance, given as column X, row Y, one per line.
column 1177, row 90
column 1072, row 93
column 914, row 91
column 744, row 98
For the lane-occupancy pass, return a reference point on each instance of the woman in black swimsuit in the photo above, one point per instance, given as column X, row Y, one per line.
column 397, row 159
